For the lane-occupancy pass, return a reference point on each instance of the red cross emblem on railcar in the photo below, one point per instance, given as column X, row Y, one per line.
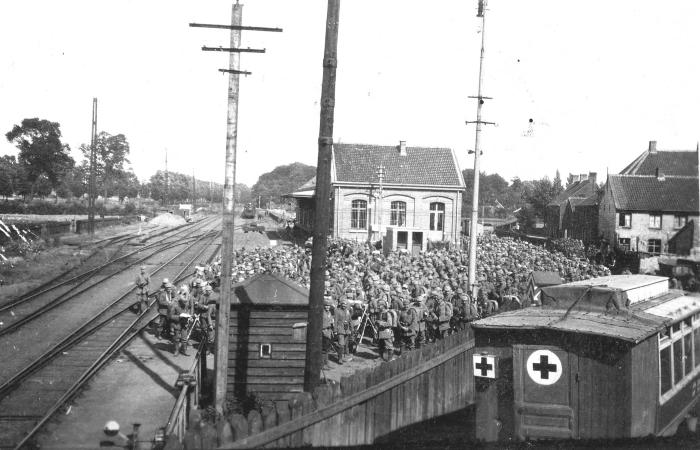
column 484, row 365
column 544, row 367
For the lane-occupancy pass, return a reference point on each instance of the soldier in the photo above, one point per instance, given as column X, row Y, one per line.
column 385, row 323
column 178, row 324
column 165, row 298
column 408, row 324
column 327, row 332
column 205, row 306
column 184, row 294
column 421, row 314
column 342, row 324
column 142, row 282
column 443, row 313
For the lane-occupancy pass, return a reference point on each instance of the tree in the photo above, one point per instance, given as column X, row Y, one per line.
column 556, row 184
column 41, row 152
column 8, row 175
column 282, row 180
column 111, row 156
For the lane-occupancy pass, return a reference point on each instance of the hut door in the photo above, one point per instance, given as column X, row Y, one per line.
column 416, row 243
column 542, row 394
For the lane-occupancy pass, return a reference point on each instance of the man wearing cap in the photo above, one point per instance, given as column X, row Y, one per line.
column 342, row 323
column 326, row 332
column 142, row 282
column 165, row 299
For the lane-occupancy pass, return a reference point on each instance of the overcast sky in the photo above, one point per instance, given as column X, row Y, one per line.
column 599, row 79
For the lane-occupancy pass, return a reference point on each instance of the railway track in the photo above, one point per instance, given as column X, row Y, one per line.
column 33, row 394
column 17, row 312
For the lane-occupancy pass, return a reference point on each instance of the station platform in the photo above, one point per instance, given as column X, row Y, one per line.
column 138, row 386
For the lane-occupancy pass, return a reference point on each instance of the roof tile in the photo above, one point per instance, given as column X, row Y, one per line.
column 648, row 193
column 358, row 163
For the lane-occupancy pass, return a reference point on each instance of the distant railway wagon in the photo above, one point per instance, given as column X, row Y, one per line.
column 248, row 211
column 611, row 357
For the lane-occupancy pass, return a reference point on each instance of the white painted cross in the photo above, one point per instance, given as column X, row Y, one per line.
column 544, row 367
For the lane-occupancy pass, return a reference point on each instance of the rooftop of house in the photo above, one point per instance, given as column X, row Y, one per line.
column 667, row 162
column 579, row 189
column 359, row 163
column 651, row 193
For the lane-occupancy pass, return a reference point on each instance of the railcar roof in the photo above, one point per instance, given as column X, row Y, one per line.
column 596, row 308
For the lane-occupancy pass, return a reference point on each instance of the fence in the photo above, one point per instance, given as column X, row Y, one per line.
column 189, row 395
column 425, row 383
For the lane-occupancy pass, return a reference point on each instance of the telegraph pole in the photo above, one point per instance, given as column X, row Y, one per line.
column 380, row 200
column 165, row 198
column 222, row 318
column 477, row 153
column 312, row 371
column 92, row 189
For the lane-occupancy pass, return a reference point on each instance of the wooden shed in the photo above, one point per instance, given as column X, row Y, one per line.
column 611, row 357
column 267, row 338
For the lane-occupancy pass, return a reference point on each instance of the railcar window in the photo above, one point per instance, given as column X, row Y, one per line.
column 688, row 353
column 665, row 361
column 677, row 361
column 679, row 355
column 696, row 333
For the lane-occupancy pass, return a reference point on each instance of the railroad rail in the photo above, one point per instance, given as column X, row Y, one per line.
column 35, row 393
column 25, row 308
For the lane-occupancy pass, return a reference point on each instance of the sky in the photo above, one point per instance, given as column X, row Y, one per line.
column 577, row 86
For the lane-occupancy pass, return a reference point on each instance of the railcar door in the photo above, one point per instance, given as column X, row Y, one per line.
column 544, row 404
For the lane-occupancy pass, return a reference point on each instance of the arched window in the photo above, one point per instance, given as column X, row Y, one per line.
column 437, row 216
column 398, row 214
column 358, row 215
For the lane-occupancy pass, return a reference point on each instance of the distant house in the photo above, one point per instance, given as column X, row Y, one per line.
column 580, row 219
column 417, row 191
column 583, row 187
column 650, row 201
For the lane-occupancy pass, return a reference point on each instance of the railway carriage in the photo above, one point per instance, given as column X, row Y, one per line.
column 611, row 357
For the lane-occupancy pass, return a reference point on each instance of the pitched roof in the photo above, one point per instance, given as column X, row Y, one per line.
column 580, row 189
column 358, row 163
column 648, row 193
column 269, row 289
column 679, row 162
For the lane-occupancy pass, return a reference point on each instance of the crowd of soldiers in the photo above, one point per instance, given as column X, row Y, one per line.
column 182, row 310
column 406, row 299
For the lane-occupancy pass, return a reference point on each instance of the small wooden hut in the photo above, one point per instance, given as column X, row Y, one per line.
column 267, row 338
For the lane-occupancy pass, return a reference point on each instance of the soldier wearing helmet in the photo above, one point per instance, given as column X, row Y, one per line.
column 142, row 282
column 165, row 299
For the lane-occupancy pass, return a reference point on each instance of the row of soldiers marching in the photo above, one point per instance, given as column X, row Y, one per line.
column 398, row 322
column 181, row 310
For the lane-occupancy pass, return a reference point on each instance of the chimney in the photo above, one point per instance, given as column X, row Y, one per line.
column 402, row 148
column 659, row 175
column 593, row 177
column 583, row 177
column 652, row 147
column 574, row 178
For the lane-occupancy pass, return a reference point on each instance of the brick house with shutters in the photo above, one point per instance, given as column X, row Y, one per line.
column 420, row 191
column 650, row 201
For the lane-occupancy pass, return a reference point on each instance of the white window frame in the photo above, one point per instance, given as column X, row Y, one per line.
column 398, row 213
column 437, row 216
column 667, row 341
column 355, row 222
column 652, row 221
column 627, row 246
column 659, row 247
column 628, row 220
column 677, row 219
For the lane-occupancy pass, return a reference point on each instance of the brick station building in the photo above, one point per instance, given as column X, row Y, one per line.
column 420, row 190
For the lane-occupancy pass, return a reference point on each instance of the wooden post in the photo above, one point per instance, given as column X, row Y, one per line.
column 92, row 189
column 222, row 318
column 312, row 370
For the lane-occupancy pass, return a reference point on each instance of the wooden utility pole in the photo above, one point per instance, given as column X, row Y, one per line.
column 229, row 197
column 477, row 154
column 92, row 189
column 165, row 198
column 312, row 371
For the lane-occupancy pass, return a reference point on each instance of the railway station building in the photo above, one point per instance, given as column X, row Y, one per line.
column 416, row 192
